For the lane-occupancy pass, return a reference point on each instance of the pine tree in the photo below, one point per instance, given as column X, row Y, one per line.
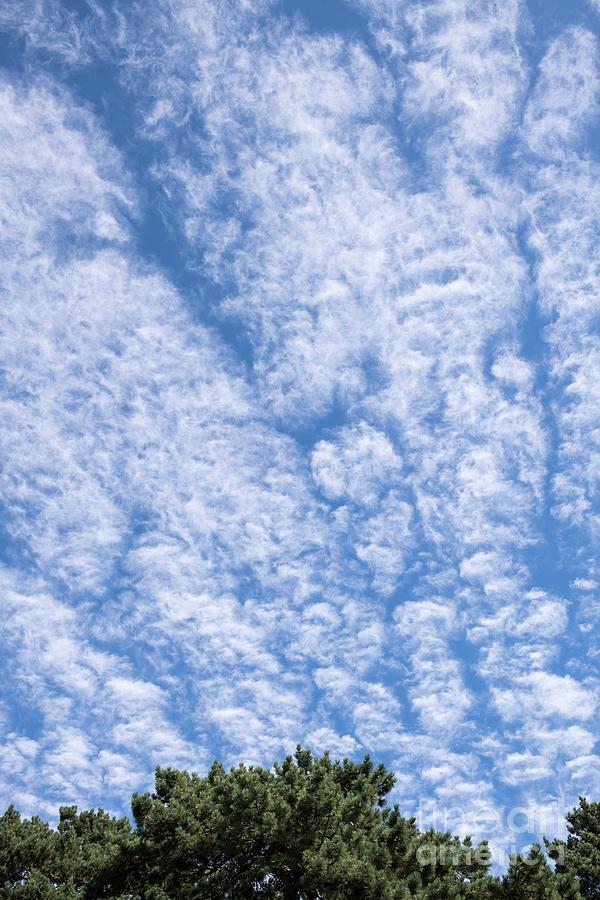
column 310, row 828
column 531, row 878
column 580, row 854
column 88, row 854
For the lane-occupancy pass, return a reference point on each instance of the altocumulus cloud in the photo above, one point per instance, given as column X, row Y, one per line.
column 300, row 393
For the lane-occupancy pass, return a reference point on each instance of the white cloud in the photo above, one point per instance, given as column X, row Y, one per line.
column 544, row 695
column 546, row 618
column 323, row 739
column 572, row 740
column 437, row 693
column 566, row 94
column 384, row 541
column 563, row 236
column 511, row 370
column 586, row 769
column 357, row 465
column 585, row 584
column 461, row 65
column 520, row 768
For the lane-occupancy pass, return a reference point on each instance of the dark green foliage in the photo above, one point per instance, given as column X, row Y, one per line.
column 26, row 852
column 531, row 878
column 86, row 855
column 581, row 851
column 310, row 828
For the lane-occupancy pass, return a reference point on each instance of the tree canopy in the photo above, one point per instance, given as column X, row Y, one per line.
column 310, row 828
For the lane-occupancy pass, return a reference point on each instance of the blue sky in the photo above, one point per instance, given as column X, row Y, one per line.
column 300, row 396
